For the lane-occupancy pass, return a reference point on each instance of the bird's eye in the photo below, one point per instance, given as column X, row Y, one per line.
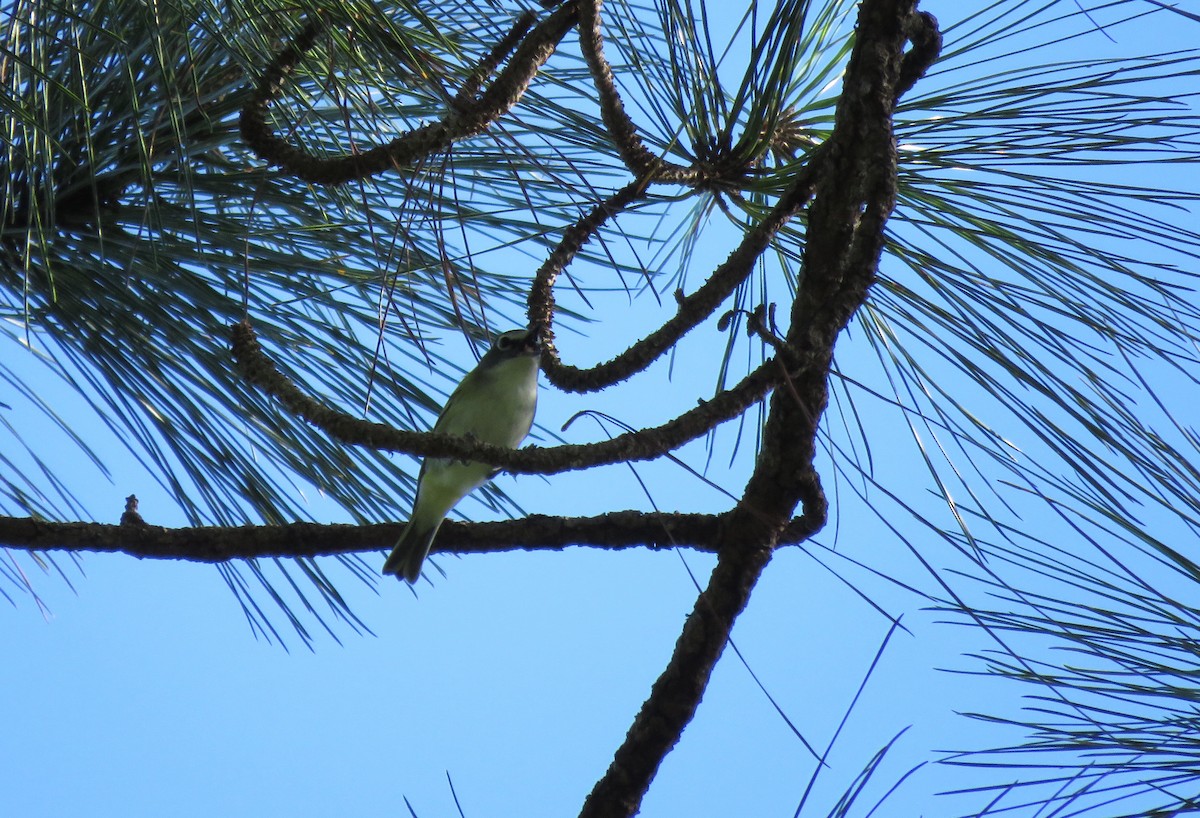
column 503, row 342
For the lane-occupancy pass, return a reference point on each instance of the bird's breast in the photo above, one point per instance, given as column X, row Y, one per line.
column 496, row 406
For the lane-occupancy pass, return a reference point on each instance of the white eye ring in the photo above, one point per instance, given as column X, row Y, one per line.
column 503, row 342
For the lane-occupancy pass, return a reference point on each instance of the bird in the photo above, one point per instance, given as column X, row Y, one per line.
column 494, row 403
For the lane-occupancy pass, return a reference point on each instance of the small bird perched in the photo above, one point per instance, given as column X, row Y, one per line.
column 494, row 404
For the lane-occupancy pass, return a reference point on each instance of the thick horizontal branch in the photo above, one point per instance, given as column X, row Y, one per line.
column 643, row 444
column 619, row 529
column 406, row 150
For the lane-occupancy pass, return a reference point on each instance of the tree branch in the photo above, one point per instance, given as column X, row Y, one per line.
column 926, row 40
column 845, row 236
column 468, row 94
column 643, row 444
column 640, row 161
column 500, row 97
column 536, row 532
column 693, row 309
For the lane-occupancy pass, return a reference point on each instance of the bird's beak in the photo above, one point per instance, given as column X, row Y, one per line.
column 533, row 341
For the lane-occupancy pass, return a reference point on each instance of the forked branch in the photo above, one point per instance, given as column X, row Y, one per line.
column 854, row 197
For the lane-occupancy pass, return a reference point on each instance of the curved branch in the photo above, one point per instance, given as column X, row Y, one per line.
column 541, row 292
column 677, row 692
column 500, row 97
column 926, row 41
column 643, row 444
column 640, row 161
column 693, row 309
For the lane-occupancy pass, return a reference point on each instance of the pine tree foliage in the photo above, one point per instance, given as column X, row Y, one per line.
column 1031, row 324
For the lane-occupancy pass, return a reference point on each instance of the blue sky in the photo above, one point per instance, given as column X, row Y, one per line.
column 143, row 693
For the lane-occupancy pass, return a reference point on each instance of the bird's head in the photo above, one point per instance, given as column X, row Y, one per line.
column 516, row 343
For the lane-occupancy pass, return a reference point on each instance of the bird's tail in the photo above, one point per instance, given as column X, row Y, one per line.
column 410, row 551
